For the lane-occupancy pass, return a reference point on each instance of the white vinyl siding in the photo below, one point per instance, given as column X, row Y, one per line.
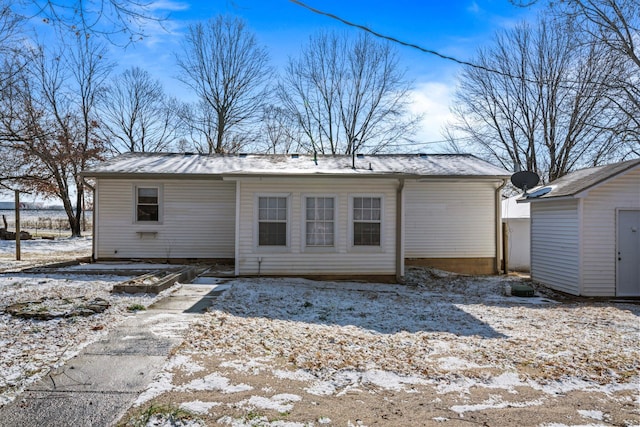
column 599, row 231
column 555, row 258
column 450, row 219
column 198, row 220
column 299, row 258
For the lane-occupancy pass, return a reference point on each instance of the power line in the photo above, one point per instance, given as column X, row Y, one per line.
column 434, row 52
column 400, row 42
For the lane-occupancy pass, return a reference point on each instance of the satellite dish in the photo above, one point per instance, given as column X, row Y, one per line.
column 525, row 180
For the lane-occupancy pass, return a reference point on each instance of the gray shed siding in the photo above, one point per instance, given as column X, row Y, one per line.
column 555, row 243
column 197, row 220
column 599, row 231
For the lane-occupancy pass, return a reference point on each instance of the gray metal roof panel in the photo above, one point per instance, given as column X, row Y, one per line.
column 581, row 180
column 294, row 165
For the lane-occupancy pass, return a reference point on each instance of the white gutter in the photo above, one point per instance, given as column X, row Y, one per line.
column 400, row 231
column 93, row 216
column 236, row 260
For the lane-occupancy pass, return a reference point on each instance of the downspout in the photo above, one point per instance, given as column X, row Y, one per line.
column 498, row 214
column 236, row 254
column 93, row 219
column 399, row 231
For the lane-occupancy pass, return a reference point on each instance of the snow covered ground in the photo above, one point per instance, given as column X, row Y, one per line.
column 443, row 349
column 30, row 348
column 41, row 251
column 274, row 351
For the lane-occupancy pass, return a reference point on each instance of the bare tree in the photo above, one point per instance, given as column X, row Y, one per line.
column 615, row 24
column 546, row 108
column 49, row 122
column 136, row 114
column 280, row 134
column 120, row 22
column 228, row 71
column 347, row 94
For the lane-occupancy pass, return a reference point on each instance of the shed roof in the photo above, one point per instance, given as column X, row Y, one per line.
column 574, row 183
column 228, row 165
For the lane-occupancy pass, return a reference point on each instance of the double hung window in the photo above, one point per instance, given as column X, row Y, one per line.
column 147, row 204
column 319, row 221
column 367, row 216
column 272, row 221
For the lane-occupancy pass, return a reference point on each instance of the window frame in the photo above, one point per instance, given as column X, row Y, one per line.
column 352, row 221
column 256, row 222
column 160, row 203
column 303, row 208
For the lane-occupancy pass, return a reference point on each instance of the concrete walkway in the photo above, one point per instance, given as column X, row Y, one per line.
column 96, row 387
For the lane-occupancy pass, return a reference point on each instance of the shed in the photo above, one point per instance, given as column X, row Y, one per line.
column 585, row 231
column 516, row 218
column 366, row 215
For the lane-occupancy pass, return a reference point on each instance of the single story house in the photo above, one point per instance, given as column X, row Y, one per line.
column 585, row 231
column 515, row 217
column 366, row 215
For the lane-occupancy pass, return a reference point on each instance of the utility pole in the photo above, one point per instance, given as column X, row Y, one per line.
column 17, row 197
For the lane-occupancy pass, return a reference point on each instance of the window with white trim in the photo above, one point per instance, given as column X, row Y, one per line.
column 272, row 221
column 319, row 220
column 367, row 218
column 147, row 204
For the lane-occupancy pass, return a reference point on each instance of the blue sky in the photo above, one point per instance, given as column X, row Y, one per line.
column 456, row 28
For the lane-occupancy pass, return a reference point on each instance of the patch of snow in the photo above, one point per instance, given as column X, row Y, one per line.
column 46, row 247
column 254, row 366
column 198, row 407
column 184, row 363
column 280, row 402
column 596, row 415
column 494, row 402
column 321, row 388
column 161, row 384
column 214, row 382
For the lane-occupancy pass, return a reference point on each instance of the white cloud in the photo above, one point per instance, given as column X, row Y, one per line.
column 473, row 8
column 432, row 100
column 168, row 5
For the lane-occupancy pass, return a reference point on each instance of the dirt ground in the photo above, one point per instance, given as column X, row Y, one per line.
column 450, row 351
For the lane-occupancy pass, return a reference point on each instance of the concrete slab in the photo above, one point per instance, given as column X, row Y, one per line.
column 180, row 303
column 130, row 342
column 96, row 387
column 63, row 409
column 195, row 290
column 103, row 373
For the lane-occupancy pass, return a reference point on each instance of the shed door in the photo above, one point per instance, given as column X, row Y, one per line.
column 628, row 280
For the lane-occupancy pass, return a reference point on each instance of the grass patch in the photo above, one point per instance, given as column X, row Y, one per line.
column 136, row 307
column 163, row 415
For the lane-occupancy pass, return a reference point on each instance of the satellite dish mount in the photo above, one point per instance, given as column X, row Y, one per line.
column 525, row 180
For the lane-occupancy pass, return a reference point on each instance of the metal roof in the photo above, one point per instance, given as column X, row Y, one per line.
column 581, row 180
column 229, row 165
